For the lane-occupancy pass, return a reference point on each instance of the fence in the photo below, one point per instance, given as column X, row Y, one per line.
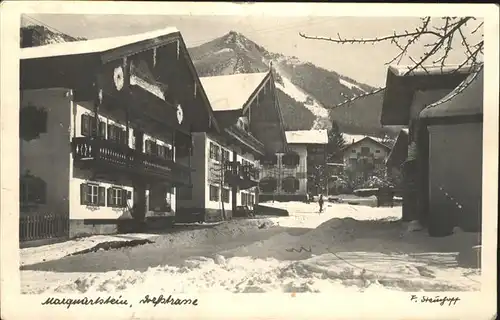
column 40, row 226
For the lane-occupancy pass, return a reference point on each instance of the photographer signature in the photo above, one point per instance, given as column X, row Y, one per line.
column 436, row 299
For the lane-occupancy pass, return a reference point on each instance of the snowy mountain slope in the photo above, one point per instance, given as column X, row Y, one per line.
column 315, row 90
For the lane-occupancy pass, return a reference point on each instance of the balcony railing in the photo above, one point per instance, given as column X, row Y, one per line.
column 243, row 175
column 121, row 156
column 246, row 137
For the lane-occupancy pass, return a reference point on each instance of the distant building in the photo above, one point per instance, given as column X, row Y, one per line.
column 363, row 157
column 289, row 176
column 226, row 162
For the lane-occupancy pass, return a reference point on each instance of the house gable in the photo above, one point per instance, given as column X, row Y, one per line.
column 159, row 61
column 246, row 105
column 367, row 141
column 400, row 90
column 463, row 104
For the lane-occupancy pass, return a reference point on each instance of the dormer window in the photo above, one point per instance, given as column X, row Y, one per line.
column 243, row 123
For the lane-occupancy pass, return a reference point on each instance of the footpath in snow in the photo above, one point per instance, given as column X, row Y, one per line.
column 348, row 247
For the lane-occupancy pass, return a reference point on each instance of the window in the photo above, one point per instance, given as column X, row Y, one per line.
column 214, row 151
column 117, row 197
column 353, row 151
column 244, row 199
column 117, row 134
column 92, row 194
column 88, row 125
column 365, row 150
column 214, row 193
column 164, row 152
column 377, row 151
column 150, row 147
column 102, row 129
column 32, row 190
column 252, row 200
column 225, row 195
column 225, row 155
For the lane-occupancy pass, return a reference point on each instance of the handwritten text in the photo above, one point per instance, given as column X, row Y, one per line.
column 436, row 299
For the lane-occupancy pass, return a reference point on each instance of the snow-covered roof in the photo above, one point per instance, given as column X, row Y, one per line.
column 465, row 100
column 400, row 70
column 307, row 137
column 378, row 141
column 91, row 46
column 353, row 138
column 231, row 92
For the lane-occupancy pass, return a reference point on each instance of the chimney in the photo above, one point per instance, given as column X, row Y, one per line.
column 27, row 37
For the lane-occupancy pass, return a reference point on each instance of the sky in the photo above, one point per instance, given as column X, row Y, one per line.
column 364, row 63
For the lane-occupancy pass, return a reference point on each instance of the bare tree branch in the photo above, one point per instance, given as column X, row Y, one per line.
column 477, row 28
column 358, row 97
column 373, row 40
column 442, row 45
column 438, row 44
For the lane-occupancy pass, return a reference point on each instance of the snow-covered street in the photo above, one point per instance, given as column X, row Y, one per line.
column 348, row 247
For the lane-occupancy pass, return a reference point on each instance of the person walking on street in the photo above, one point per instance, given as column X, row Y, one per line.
column 320, row 202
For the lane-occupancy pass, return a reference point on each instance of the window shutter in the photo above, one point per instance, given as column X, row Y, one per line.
column 148, row 147
column 124, row 197
column 129, row 195
column 110, row 197
column 85, row 124
column 83, row 193
column 154, row 148
column 124, row 137
column 101, row 197
column 110, row 132
column 150, row 204
column 93, row 126
column 161, row 151
column 297, row 184
column 102, row 129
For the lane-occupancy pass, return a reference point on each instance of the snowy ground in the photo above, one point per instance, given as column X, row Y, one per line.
column 353, row 248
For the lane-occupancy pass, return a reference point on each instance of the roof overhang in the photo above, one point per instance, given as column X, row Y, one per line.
column 465, row 101
column 401, row 87
column 76, row 64
column 364, row 139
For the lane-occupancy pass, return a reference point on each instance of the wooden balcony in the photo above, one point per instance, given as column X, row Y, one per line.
column 246, row 138
column 243, row 176
column 99, row 153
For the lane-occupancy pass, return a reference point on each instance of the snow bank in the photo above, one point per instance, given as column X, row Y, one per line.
column 346, row 248
column 59, row 250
